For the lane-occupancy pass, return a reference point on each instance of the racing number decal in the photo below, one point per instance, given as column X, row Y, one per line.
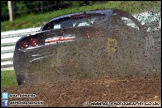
column 112, row 44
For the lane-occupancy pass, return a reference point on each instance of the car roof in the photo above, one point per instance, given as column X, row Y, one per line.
column 107, row 12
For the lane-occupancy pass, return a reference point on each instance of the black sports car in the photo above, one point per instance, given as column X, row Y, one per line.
column 87, row 45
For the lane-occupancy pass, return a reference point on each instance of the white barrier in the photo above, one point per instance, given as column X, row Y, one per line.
column 18, row 33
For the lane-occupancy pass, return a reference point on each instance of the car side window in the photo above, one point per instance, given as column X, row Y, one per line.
column 63, row 23
column 129, row 22
column 128, row 19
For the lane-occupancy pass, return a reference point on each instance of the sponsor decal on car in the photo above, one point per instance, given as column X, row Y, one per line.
column 63, row 38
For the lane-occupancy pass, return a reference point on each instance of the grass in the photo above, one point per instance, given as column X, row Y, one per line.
column 36, row 20
column 8, row 78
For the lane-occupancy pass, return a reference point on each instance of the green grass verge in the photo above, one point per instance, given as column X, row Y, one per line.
column 8, row 78
column 36, row 20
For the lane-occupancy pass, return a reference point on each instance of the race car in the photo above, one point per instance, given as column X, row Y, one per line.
column 87, row 45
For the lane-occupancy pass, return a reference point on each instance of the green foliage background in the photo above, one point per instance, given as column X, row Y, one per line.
column 27, row 7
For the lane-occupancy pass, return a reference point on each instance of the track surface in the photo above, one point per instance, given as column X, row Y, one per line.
column 75, row 93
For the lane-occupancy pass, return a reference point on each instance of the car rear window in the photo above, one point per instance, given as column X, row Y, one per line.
column 75, row 21
column 78, row 21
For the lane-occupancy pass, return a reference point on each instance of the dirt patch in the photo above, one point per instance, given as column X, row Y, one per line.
column 77, row 92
